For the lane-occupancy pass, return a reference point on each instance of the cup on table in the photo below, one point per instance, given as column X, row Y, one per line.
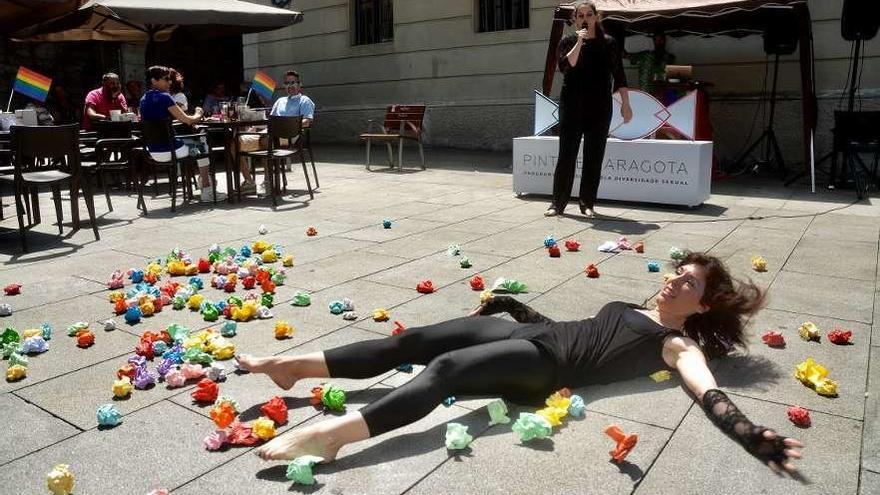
column 115, row 115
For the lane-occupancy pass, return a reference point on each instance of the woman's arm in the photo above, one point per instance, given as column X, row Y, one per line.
column 506, row 304
column 776, row 451
column 178, row 114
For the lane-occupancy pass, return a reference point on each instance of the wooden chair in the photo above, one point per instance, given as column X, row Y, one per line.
column 402, row 123
column 112, row 149
column 47, row 157
column 288, row 128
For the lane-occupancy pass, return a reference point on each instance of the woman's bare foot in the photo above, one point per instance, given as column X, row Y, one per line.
column 311, row 440
column 281, row 369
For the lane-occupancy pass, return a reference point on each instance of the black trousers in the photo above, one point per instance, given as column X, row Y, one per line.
column 467, row 356
column 590, row 121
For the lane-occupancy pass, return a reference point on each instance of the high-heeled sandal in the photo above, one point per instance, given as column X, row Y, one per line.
column 551, row 212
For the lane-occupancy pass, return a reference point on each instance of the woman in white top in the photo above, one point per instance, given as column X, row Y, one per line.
column 176, row 90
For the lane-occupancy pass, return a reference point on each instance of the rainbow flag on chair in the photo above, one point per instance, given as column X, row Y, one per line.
column 32, row 84
column 263, row 84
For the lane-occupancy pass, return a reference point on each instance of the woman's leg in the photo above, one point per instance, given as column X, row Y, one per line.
column 513, row 368
column 595, row 138
column 373, row 357
column 570, row 132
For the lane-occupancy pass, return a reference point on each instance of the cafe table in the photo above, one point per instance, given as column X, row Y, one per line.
column 231, row 129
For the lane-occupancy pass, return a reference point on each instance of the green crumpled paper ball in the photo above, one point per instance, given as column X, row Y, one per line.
column 465, row 262
column 235, row 301
column 10, row 348
column 9, row 335
column 72, row 330
column 267, row 299
column 301, row 299
column 178, row 332
column 210, row 313
column 300, row 469
column 497, row 412
column 178, row 302
column 457, row 437
column 16, row 358
column 333, row 398
column 530, row 426
column 195, row 355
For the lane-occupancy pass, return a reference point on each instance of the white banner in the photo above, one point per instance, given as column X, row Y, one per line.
column 647, row 170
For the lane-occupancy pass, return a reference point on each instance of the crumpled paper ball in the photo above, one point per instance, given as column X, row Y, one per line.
column 457, row 437
column 299, row 470
column 17, row 359
column 264, row 428
column 399, row 328
column 497, row 412
column 425, row 287
column 336, row 307
column 477, row 283
column 639, row 247
column 349, row 315
column 405, row 368
column 554, row 251
column 263, row 230
column 334, row 398
column 549, row 241
column 623, row 244
column 108, row 415
column 625, row 443
column 553, row 415
column 77, row 327
column 464, row 262
column 195, row 302
column 16, row 372
column 509, row 285
column 799, row 416
column 287, row 260
column 143, row 378
column 809, row 331
column 275, row 409
column 206, row 391
column 317, row 396
column 109, row 325
column 5, row 309
column 386, row 223
column 34, row 345
column 60, row 480
column 223, row 351
column 223, row 414
column 116, row 280
column 815, row 376
column 381, row 314
column 9, row 349
column 840, row 337
column 577, row 408
column 453, row 250
column 677, row 254
column 449, row 401
column 174, row 378
column 592, row 271
column 12, row 289
column 85, row 339
column 486, row 296
column 216, row 440
column 311, row 231
column 122, row 388
column 216, row 372
column 133, row 315
column 572, row 245
column 159, row 347
column 773, row 339
column 259, row 246
column 47, row 331
column 269, row 256
column 163, row 368
column 653, row 267
column 660, row 376
column 192, row 371
column 530, row 426
column 10, row 335
column 229, row 329
column 31, row 332
column 283, row 330
column 267, row 299
column 607, row 247
column 759, row 264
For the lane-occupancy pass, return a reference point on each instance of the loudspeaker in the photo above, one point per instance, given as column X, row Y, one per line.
column 859, row 19
column 780, row 30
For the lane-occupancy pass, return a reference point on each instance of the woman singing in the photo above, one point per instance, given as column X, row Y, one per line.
column 593, row 69
column 699, row 314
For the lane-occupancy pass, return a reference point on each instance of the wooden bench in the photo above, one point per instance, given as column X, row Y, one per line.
column 402, row 122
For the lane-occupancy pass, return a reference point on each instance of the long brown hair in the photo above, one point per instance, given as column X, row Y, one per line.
column 730, row 301
column 600, row 31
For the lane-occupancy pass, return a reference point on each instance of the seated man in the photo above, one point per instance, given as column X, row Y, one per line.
column 293, row 105
column 99, row 102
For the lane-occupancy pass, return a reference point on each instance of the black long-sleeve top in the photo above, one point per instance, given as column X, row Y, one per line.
column 599, row 69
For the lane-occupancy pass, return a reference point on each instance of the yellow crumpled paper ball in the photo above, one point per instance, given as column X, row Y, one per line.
column 195, row 302
column 558, row 401
column 260, row 246
column 15, row 372
column 809, row 331
column 486, row 296
column 122, row 388
column 176, row 268
column 381, row 314
column 270, row 256
column 287, row 260
column 264, row 428
column 826, row 387
column 60, row 480
column 815, row 376
column 154, row 268
column 116, row 295
column 283, row 330
column 223, row 351
column 246, row 312
column 148, row 308
column 31, row 332
column 759, row 264
column 660, row 376
column 553, row 415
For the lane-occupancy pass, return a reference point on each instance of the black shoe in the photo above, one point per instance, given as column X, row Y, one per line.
column 583, row 207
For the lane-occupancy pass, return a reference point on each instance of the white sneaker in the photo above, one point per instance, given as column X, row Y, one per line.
column 208, row 194
column 248, row 188
column 263, row 189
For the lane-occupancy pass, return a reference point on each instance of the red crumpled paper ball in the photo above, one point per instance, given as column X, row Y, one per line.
column 425, row 287
column 144, row 348
column 12, row 289
column 639, row 247
column 223, row 414
column 164, row 336
column 151, row 278
column 126, row 369
column 554, row 251
column 276, row 410
column 157, row 305
column 317, row 396
column 229, row 286
column 206, row 391
column 311, row 231
column 120, row 307
column 477, row 283
column 625, row 443
column 592, row 271
column 773, row 339
column 398, row 328
column 169, row 288
column 249, row 282
column 85, row 339
column 572, row 245
column 263, row 276
column 840, row 337
column 204, row 265
column 241, row 434
column 799, row 416
column 227, row 310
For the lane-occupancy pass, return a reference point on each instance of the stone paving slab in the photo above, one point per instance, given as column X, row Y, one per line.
column 439, row 268
column 574, row 460
column 582, row 297
column 773, row 244
column 716, row 464
column 399, row 228
column 341, row 268
column 849, row 227
column 821, row 295
column 842, row 258
column 421, row 245
column 30, row 429
column 540, row 272
column 871, row 443
column 134, row 457
column 870, row 483
column 517, row 241
column 669, row 400
column 58, row 288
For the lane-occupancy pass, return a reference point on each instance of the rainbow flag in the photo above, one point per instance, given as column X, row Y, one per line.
column 33, row 84
column 263, row 84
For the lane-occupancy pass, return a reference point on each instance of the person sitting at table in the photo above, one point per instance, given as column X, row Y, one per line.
column 215, row 97
column 294, row 104
column 100, row 102
column 176, row 90
column 61, row 106
column 135, row 91
column 652, row 63
column 157, row 104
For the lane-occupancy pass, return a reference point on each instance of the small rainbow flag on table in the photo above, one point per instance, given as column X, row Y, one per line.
column 263, row 84
column 33, row 84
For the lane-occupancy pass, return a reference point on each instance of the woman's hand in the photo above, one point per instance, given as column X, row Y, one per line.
column 771, row 445
column 626, row 112
column 582, row 34
column 479, row 309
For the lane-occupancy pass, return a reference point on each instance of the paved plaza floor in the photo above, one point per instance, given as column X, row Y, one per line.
column 821, row 254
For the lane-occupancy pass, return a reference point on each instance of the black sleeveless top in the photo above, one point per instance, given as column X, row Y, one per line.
column 617, row 344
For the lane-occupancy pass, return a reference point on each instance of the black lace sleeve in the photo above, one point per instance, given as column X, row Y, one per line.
column 734, row 423
column 519, row 311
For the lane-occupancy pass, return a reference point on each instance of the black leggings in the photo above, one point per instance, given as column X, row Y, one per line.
column 592, row 125
column 467, row 356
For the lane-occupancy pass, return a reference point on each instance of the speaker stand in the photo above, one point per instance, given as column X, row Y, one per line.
column 768, row 137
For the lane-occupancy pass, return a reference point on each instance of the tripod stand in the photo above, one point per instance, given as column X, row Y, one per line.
column 768, row 137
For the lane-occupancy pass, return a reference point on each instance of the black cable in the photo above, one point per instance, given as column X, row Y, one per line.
column 762, row 109
column 859, row 83
column 843, row 92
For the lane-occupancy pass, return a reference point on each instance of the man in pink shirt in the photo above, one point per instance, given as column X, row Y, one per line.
column 100, row 101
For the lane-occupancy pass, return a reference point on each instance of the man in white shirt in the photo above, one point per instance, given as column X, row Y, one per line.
column 293, row 104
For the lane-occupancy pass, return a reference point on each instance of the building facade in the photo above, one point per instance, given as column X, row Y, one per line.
column 476, row 63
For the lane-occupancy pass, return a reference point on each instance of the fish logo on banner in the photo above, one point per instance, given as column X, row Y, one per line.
column 648, row 115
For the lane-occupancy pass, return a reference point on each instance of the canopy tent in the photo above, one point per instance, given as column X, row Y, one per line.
column 154, row 20
column 18, row 14
column 700, row 18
